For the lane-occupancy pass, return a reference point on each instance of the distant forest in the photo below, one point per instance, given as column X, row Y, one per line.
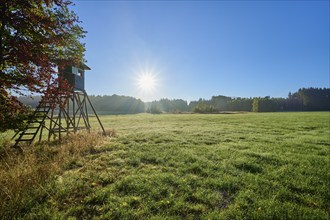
column 305, row 99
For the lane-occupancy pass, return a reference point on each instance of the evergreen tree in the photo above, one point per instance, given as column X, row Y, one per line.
column 255, row 105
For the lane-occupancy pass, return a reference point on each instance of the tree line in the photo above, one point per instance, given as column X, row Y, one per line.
column 105, row 104
column 116, row 104
column 305, row 99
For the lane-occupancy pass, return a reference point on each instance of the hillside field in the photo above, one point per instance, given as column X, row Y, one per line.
column 197, row 166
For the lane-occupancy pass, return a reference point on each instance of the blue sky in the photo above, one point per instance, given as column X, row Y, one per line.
column 197, row 49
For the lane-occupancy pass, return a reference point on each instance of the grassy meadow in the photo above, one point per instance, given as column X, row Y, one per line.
column 183, row 166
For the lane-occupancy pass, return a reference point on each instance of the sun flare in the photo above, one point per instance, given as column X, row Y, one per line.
column 146, row 82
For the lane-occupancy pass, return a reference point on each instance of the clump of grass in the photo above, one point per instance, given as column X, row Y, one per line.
column 109, row 133
column 24, row 174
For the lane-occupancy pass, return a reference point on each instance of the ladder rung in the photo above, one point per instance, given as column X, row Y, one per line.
column 29, row 133
column 24, row 140
column 57, row 130
column 32, row 128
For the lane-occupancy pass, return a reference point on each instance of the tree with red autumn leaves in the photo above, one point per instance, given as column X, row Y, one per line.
column 36, row 38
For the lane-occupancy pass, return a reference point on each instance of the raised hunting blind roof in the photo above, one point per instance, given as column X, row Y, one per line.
column 84, row 66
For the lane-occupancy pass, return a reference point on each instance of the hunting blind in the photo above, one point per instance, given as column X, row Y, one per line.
column 75, row 76
column 55, row 118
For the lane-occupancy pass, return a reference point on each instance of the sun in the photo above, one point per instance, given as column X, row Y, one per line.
column 147, row 82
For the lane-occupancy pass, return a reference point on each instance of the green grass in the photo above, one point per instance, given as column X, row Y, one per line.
column 191, row 166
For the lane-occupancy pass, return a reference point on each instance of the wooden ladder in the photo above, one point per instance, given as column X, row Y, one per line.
column 34, row 124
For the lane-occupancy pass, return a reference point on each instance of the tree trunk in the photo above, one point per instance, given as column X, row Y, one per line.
column 2, row 30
